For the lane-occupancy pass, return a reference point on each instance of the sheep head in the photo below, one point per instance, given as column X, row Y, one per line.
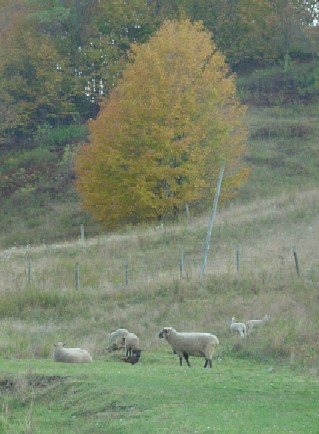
column 165, row 332
column 59, row 344
column 134, row 358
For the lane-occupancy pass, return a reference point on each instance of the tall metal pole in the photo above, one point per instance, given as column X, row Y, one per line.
column 211, row 220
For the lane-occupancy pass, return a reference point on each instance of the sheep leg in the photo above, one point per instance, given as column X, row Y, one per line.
column 208, row 362
column 186, row 358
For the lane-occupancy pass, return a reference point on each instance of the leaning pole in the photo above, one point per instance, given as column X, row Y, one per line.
column 211, row 220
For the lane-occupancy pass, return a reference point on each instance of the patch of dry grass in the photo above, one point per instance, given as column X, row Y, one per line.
column 36, row 314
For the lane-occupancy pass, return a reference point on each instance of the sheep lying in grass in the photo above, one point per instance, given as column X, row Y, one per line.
column 116, row 340
column 191, row 344
column 255, row 323
column 70, row 355
column 238, row 327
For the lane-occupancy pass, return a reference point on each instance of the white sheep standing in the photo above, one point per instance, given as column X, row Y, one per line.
column 116, row 340
column 194, row 344
column 70, row 355
column 238, row 327
column 255, row 323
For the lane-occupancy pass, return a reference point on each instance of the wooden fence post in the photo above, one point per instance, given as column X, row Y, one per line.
column 181, row 263
column 296, row 263
column 29, row 271
column 237, row 258
column 82, row 232
column 126, row 273
column 77, row 276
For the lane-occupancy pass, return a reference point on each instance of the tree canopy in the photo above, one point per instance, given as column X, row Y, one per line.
column 58, row 58
column 161, row 136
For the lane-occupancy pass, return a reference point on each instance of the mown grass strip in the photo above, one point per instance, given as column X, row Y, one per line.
column 111, row 397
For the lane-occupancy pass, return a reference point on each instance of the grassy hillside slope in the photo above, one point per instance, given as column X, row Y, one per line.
column 134, row 280
column 37, row 196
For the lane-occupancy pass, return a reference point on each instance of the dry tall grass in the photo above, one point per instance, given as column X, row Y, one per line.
column 38, row 313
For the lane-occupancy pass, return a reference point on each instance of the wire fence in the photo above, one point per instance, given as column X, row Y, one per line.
column 49, row 270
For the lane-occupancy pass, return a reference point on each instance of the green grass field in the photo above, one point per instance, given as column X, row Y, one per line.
column 156, row 396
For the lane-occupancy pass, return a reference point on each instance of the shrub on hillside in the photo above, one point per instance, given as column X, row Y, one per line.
column 278, row 86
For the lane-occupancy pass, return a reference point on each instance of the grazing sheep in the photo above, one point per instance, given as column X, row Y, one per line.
column 255, row 323
column 116, row 340
column 131, row 343
column 70, row 355
column 194, row 344
column 134, row 358
column 238, row 327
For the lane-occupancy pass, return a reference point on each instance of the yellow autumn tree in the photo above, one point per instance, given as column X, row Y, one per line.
column 159, row 139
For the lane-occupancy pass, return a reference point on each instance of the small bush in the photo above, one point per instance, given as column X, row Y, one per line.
column 279, row 86
column 28, row 159
column 59, row 137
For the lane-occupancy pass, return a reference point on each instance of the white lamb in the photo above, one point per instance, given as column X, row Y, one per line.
column 194, row 344
column 116, row 340
column 252, row 323
column 238, row 327
column 70, row 355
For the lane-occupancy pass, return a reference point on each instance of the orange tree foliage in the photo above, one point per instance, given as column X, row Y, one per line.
column 161, row 136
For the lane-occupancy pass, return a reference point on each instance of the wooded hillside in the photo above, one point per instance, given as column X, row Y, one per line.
column 60, row 59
